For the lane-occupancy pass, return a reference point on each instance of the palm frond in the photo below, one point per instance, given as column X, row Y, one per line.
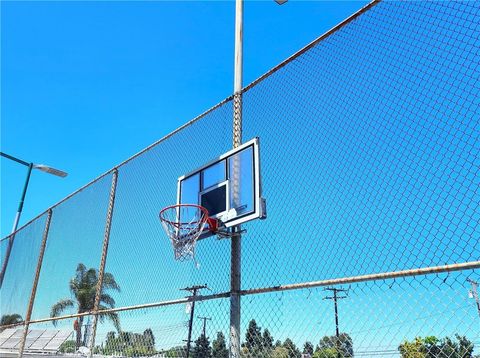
column 59, row 307
column 111, row 316
column 108, row 300
column 109, row 282
column 10, row 319
column 91, row 278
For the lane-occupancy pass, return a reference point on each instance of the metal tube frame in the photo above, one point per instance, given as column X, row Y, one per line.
column 103, row 260
column 33, row 293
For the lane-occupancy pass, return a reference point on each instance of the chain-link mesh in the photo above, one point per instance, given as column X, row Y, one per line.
column 376, row 318
column 370, row 159
column 370, row 148
column 20, row 271
column 74, row 247
column 148, row 184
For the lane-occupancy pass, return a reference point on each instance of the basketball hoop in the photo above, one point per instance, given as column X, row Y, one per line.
column 184, row 224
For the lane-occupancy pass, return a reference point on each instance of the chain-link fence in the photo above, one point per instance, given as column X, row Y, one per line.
column 370, row 160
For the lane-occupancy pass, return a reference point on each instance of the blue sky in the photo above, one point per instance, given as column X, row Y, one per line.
column 87, row 84
column 382, row 178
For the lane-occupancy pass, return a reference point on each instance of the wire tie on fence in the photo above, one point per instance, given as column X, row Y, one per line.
column 391, row 285
column 445, row 279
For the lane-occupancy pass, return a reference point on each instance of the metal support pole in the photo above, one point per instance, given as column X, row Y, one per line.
column 236, row 247
column 193, row 290
column 103, row 260
column 335, row 298
column 190, row 324
column 15, row 224
column 204, row 324
column 28, row 315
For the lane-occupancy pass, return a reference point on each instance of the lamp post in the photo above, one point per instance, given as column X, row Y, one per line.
column 41, row 167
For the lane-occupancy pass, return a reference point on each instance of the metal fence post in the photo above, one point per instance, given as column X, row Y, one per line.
column 28, row 315
column 103, row 259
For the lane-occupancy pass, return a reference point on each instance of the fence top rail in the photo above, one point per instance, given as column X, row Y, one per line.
column 200, row 116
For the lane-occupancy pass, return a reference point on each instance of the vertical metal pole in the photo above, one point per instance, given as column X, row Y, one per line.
column 238, row 79
column 101, row 270
column 15, row 224
column 28, row 315
column 337, row 332
column 236, row 247
column 190, row 323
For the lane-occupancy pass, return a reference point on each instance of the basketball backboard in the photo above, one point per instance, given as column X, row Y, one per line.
column 229, row 187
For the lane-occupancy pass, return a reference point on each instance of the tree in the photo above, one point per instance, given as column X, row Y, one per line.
column 202, row 348
column 219, row 347
column 308, row 348
column 10, row 319
column 267, row 340
column 83, row 289
column 293, row 351
column 253, row 338
column 67, row 347
column 280, row 352
column 129, row 344
column 176, row 352
column 326, row 353
column 149, row 339
column 343, row 345
column 432, row 347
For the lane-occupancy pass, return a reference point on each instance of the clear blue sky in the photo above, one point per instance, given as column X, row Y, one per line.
column 84, row 85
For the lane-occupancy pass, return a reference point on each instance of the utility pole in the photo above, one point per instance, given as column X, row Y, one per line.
column 204, row 323
column 474, row 293
column 335, row 298
column 193, row 290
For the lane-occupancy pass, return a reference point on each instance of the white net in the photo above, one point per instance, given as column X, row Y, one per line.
column 184, row 223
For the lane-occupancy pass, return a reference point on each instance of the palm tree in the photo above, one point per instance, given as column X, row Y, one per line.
column 83, row 288
column 8, row 319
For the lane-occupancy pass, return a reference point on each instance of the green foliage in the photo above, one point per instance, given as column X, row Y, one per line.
column 67, row 347
column 341, row 345
column 279, row 352
column 202, row 348
column 176, row 352
column 432, row 347
column 10, row 319
column 129, row 344
column 326, row 353
column 308, row 348
column 293, row 351
column 267, row 340
column 219, row 347
column 253, row 337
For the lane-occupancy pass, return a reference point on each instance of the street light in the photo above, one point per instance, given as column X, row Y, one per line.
column 41, row 167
